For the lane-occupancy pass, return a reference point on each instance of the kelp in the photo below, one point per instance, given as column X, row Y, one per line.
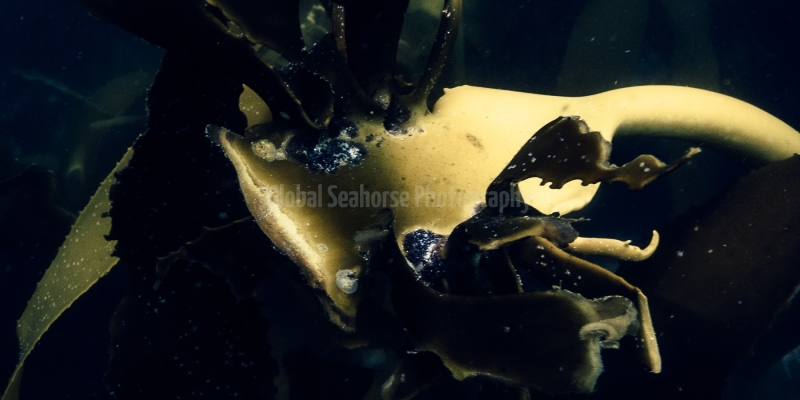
column 548, row 340
column 338, row 116
column 98, row 132
column 81, row 261
column 723, row 272
column 91, row 228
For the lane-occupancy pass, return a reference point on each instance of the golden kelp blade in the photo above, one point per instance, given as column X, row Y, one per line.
column 82, row 260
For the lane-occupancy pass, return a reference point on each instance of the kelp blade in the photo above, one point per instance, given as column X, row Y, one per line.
column 82, row 260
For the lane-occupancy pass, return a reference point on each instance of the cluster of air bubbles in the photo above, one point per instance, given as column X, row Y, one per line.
column 422, row 249
column 324, row 155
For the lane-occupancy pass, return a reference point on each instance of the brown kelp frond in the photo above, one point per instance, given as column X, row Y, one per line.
column 441, row 50
column 83, row 259
column 326, row 59
column 531, row 239
column 357, row 59
column 336, row 12
column 273, row 23
column 565, row 150
column 722, row 274
column 619, row 249
column 548, row 340
column 554, row 267
column 403, row 109
column 188, row 25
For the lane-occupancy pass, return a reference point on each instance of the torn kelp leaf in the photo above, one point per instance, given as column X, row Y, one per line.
column 81, row 261
column 565, row 150
column 534, row 239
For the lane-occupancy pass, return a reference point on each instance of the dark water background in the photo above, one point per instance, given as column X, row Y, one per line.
column 55, row 61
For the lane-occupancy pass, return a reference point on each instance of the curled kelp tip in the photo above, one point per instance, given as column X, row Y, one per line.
column 711, row 307
column 568, row 271
column 619, row 318
column 622, row 250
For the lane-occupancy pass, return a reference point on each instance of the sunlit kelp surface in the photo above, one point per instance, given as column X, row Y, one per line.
column 194, row 233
